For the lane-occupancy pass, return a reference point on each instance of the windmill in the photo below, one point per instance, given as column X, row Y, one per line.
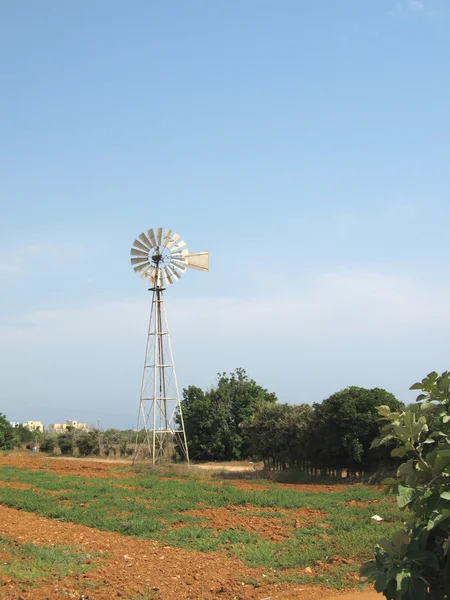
column 161, row 259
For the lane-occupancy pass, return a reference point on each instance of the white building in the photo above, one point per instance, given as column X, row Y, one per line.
column 34, row 425
column 56, row 428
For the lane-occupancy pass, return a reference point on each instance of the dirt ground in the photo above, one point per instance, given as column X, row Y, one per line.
column 133, row 566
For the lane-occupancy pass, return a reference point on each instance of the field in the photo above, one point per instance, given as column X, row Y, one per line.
column 99, row 530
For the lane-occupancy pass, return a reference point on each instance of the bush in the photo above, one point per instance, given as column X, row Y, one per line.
column 23, row 435
column 415, row 563
column 66, row 442
column 6, row 433
column 88, row 442
column 47, row 443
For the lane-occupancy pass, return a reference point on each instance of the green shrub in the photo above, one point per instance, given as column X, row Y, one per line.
column 88, row 442
column 415, row 563
column 6, row 433
column 47, row 443
column 66, row 442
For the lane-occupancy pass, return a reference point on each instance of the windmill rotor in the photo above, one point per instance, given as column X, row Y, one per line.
column 163, row 257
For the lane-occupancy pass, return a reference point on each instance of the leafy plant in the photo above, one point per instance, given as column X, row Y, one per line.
column 213, row 419
column 6, row 433
column 279, row 434
column 88, row 442
column 47, row 443
column 415, row 563
column 343, row 428
column 66, row 442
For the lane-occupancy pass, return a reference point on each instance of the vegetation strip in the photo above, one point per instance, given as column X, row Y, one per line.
column 151, row 507
column 30, row 564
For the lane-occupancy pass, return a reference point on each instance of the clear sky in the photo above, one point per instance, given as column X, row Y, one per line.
column 304, row 143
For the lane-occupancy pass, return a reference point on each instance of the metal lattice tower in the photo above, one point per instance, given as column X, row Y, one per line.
column 162, row 260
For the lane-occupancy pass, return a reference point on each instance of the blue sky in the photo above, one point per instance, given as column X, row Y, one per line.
column 304, row 144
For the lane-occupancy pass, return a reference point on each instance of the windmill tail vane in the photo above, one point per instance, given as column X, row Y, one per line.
column 161, row 257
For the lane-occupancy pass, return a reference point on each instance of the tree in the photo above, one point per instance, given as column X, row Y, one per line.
column 88, row 442
column 277, row 434
column 415, row 563
column 214, row 419
column 47, row 443
column 22, row 435
column 66, row 441
column 110, row 441
column 6, row 433
column 198, row 423
column 345, row 425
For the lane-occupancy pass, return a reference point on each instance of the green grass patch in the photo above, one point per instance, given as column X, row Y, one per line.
column 152, row 505
column 29, row 565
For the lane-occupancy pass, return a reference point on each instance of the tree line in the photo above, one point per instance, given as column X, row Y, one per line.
column 238, row 419
column 112, row 442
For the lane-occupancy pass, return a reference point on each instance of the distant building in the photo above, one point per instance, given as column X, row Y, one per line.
column 34, row 425
column 57, row 428
column 77, row 425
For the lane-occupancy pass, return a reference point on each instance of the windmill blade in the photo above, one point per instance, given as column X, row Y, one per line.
column 145, row 240
column 168, row 277
column 141, row 246
column 166, row 237
column 140, row 267
column 179, row 258
column 148, row 272
column 198, row 260
column 138, row 253
column 173, row 272
column 180, row 255
column 151, row 237
column 158, row 235
column 178, row 266
column 172, row 240
column 178, row 246
column 136, row 261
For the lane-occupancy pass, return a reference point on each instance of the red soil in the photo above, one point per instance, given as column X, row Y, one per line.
column 244, row 518
column 133, row 566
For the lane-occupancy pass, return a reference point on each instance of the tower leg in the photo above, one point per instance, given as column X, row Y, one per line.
column 160, row 427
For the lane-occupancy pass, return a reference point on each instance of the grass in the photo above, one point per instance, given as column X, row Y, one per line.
column 150, row 505
column 29, row 565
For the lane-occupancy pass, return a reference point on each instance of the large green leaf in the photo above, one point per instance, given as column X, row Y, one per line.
column 384, row 410
column 369, row 569
column 417, row 386
column 406, row 471
column 412, row 426
column 405, row 495
column 442, row 460
column 400, row 451
column 444, row 385
column 403, row 579
column 418, row 588
column 380, row 582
